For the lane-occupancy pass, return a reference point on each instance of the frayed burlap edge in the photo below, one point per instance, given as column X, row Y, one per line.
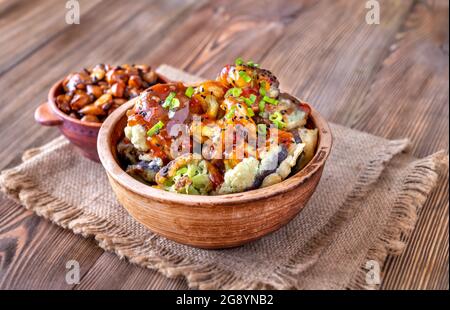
column 147, row 253
column 416, row 187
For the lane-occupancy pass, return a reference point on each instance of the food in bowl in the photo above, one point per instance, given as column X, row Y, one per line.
column 92, row 94
column 229, row 135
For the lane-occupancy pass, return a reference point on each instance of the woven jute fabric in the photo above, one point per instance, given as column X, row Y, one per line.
column 366, row 202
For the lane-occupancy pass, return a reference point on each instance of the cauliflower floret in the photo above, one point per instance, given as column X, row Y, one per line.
column 285, row 167
column 296, row 119
column 241, row 177
column 138, row 137
column 309, row 137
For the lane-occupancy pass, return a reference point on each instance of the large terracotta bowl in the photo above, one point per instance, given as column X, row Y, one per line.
column 211, row 222
column 81, row 134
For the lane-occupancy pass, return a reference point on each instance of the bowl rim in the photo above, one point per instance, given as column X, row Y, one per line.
column 115, row 172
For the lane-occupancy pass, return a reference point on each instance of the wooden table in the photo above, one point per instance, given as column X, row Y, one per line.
column 389, row 79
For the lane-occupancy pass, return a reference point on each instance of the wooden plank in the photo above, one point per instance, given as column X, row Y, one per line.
column 47, row 20
column 34, row 252
column 330, row 55
column 409, row 98
column 112, row 273
column 223, row 30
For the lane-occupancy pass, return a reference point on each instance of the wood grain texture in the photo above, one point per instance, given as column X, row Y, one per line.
column 33, row 252
column 390, row 79
column 47, row 23
column 409, row 97
column 111, row 273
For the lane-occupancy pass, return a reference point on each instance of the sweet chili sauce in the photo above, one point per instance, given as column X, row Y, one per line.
column 149, row 111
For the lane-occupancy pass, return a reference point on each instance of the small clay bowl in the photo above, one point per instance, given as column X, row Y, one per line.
column 81, row 134
column 211, row 222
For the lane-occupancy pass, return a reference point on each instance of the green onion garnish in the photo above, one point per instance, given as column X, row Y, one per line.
column 277, row 119
column 245, row 76
column 247, row 101
column 168, row 100
column 262, row 89
column 250, row 112
column 252, row 64
column 276, row 116
column 270, row 100
column 155, row 129
column 175, row 103
column 262, row 106
column 279, row 124
column 238, row 61
column 235, row 92
column 262, row 129
column 230, row 113
column 189, row 92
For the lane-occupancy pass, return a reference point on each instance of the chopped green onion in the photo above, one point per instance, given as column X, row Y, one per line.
column 250, row 112
column 270, row 100
column 245, row 76
column 262, row 89
column 230, row 113
column 235, row 92
column 247, row 101
column 168, row 100
column 238, row 61
column 279, row 124
column 276, row 116
column 262, row 106
column 262, row 129
column 253, row 98
column 155, row 129
column 189, row 92
column 175, row 103
column 252, row 64
column 277, row 119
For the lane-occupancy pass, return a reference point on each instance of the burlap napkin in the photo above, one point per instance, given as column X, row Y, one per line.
column 367, row 198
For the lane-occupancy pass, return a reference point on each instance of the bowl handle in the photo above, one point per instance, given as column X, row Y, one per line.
column 44, row 116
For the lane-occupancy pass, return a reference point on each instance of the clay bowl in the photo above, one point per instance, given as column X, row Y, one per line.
column 81, row 134
column 211, row 222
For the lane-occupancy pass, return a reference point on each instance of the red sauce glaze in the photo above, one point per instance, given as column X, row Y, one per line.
column 149, row 111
